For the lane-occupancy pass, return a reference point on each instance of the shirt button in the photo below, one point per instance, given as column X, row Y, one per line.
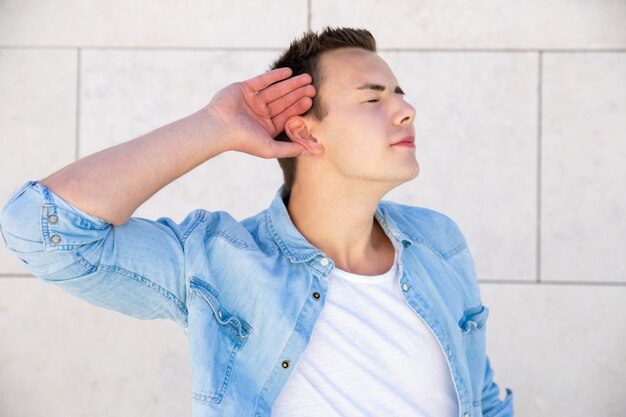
column 405, row 287
column 55, row 239
column 466, row 415
column 285, row 364
column 53, row 218
column 219, row 314
column 449, row 352
column 316, row 295
column 324, row 261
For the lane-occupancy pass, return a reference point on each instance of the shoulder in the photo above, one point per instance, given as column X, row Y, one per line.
column 221, row 226
column 429, row 227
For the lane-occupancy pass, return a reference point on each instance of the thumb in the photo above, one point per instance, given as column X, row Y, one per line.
column 288, row 149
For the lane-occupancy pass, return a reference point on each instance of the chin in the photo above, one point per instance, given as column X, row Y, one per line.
column 412, row 172
column 406, row 178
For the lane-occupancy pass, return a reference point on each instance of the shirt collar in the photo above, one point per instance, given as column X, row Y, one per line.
column 295, row 246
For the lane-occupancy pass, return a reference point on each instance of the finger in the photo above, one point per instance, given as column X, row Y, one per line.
column 278, row 106
column 260, row 82
column 286, row 149
column 299, row 107
column 282, row 88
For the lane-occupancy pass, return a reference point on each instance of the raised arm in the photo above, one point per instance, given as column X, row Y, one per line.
column 244, row 116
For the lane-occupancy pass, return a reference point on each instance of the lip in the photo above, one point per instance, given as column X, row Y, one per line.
column 406, row 141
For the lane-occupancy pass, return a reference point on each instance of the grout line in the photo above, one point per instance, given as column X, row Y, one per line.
column 273, row 49
column 539, row 160
column 78, row 84
column 148, row 48
column 481, row 281
column 501, row 50
column 563, row 283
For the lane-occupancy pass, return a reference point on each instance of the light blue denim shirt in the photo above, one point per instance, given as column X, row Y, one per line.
column 248, row 293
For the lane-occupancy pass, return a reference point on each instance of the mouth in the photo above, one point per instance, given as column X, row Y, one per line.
column 406, row 141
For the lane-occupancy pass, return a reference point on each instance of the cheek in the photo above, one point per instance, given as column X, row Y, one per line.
column 356, row 153
column 355, row 137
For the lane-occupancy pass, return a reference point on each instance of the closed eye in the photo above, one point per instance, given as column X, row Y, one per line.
column 374, row 100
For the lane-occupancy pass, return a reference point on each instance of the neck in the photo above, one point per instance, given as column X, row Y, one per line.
column 339, row 220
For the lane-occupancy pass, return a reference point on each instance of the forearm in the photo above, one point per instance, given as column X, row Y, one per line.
column 113, row 183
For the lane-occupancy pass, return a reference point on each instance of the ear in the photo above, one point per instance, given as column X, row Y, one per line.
column 298, row 130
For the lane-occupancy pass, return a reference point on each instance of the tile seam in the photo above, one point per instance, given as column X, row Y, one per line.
column 280, row 48
column 539, row 159
column 78, row 104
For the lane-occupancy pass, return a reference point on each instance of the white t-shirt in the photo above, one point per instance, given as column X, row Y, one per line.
column 369, row 355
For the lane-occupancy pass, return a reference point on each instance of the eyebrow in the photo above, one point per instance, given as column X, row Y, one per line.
column 378, row 87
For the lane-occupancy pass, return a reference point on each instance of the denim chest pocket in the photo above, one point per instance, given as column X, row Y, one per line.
column 215, row 338
column 473, row 327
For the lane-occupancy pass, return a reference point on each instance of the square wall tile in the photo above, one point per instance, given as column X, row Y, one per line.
column 125, row 94
column 583, row 166
column 560, row 348
column 533, row 24
column 61, row 356
column 184, row 23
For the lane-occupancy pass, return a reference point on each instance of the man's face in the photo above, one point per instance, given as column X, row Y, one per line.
column 362, row 121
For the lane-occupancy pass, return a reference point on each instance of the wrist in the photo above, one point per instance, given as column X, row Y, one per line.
column 214, row 130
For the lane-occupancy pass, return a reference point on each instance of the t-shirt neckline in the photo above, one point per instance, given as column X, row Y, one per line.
column 368, row 279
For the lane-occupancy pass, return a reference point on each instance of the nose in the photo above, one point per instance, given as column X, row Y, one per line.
column 405, row 114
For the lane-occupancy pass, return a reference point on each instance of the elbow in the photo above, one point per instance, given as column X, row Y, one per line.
column 20, row 221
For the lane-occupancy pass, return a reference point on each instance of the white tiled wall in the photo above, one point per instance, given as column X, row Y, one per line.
column 521, row 138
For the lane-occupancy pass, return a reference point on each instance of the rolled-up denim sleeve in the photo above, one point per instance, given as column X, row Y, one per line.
column 136, row 268
column 492, row 406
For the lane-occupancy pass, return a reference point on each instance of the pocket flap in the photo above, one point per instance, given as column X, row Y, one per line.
column 474, row 318
column 205, row 290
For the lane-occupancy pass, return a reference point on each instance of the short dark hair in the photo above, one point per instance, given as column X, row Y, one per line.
column 302, row 56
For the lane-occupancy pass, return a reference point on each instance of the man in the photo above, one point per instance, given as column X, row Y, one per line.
column 329, row 303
